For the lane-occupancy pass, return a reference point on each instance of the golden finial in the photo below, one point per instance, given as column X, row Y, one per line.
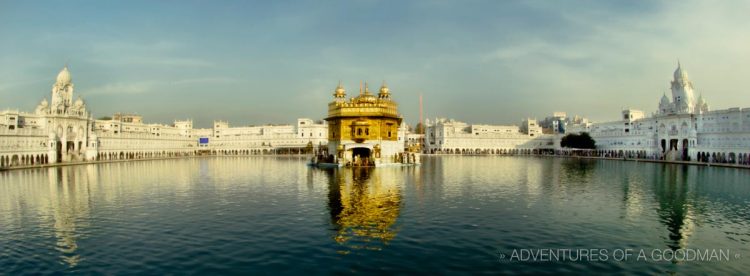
column 384, row 91
column 339, row 92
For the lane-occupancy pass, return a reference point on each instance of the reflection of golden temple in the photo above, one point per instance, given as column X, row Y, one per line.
column 363, row 208
column 365, row 131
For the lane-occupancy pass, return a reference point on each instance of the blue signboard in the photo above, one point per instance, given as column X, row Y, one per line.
column 203, row 140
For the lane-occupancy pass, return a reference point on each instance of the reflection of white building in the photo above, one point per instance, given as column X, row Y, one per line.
column 450, row 136
column 683, row 128
column 63, row 130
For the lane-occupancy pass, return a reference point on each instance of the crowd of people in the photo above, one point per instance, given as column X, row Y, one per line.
column 702, row 157
column 672, row 155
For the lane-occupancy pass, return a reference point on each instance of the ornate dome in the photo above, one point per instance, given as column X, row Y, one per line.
column 340, row 92
column 367, row 97
column 384, row 89
column 64, row 76
column 79, row 102
column 680, row 74
column 664, row 100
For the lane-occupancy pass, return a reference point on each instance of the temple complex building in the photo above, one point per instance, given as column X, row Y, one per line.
column 366, row 130
column 63, row 130
column 683, row 128
column 448, row 136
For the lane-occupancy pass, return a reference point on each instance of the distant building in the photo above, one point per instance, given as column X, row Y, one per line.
column 454, row 137
column 128, row 118
column 62, row 130
column 555, row 124
column 531, row 128
column 683, row 128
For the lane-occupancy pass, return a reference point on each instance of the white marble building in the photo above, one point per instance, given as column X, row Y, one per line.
column 683, row 128
column 62, row 130
column 264, row 139
column 449, row 136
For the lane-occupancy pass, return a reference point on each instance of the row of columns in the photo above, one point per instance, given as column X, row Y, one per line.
column 13, row 160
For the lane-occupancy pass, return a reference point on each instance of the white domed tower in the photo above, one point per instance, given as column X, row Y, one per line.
column 62, row 92
column 665, row 107
column 701, row 106
column 42, row 108
column 682, row 91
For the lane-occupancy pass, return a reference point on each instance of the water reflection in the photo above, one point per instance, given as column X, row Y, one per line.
column 364, row 205
column 62, row 204
column 70, row 207
column 240, row 212
column 675, row 209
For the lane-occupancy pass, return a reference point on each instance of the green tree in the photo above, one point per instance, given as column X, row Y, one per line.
column 419, row 129
column 578, row 141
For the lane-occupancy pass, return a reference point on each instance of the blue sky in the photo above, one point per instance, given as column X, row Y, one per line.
column 273, row 61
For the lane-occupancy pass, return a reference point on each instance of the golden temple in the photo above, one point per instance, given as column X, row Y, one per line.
column 365, row 130
column 362, row 118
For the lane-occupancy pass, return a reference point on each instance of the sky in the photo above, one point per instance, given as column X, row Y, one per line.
column 270, row 62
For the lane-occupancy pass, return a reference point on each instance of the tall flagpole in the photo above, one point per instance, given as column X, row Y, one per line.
column 421, row 119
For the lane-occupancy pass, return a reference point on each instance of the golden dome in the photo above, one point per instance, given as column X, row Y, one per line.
column 367, row 97
column 384, row 91
column 339, row 92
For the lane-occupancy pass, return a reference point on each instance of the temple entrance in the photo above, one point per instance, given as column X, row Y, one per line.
column 58, row 151
column 663, row 145
column 685, row 156
column 361, row 157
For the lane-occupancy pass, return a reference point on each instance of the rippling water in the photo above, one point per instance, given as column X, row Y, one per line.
column 452, row 214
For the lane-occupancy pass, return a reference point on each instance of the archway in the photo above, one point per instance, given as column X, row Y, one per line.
column 58, row 150
column 685, row 156
column 361, row 157
column 663, row 145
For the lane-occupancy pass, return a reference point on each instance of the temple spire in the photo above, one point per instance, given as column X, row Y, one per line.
column 384, row 91
column 339, row 92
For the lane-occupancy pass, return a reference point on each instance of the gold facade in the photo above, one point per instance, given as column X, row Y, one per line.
column 362, row 118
